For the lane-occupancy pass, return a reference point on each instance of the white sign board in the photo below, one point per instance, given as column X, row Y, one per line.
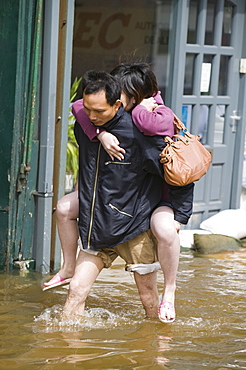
column 205, row 77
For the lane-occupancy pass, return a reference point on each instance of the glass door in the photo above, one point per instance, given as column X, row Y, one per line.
column 210, row 93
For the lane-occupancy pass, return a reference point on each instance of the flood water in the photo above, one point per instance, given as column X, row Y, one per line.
column 209, row 332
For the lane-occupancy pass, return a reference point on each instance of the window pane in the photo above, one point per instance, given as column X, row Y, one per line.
column 187, row 111
column 227, row 24
column 108, row 32
column 203, row 123
column 219, row 124
column 192, row 23
column 186, row 116
column 209, row 32
column 189, row 73
column 223, row 75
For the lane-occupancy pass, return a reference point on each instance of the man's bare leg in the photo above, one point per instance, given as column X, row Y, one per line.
column 147, row 288
column 87, row 269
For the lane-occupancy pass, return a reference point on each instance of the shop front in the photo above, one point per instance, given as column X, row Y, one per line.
column 197, row 51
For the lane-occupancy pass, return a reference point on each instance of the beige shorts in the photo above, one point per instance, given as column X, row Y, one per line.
column 141, row 250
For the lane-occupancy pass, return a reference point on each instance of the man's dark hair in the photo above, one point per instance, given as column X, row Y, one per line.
column 96, row 81
column 137, row 80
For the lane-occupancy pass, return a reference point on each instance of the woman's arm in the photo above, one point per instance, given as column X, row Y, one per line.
column 155, row 119
column 111, row 145
column 182, row 201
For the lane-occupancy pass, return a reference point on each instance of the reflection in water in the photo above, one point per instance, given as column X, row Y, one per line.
column 114, row 334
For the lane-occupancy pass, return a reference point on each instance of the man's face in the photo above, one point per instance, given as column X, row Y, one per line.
column 97, row 108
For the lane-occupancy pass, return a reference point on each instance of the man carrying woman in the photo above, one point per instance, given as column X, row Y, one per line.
column 152, row 118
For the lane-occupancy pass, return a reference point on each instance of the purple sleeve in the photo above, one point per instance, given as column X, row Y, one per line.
column 84, row 121
column 157, row 122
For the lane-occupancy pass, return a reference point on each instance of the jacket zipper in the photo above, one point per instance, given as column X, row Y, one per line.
column 114, row 162
column 117, row 209
column 94, row 196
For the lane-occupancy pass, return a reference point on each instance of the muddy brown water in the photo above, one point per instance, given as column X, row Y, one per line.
column 209, row 332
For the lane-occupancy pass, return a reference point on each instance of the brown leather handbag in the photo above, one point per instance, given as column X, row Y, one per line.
column 184, row 158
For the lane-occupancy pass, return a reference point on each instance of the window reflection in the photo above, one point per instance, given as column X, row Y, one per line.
column 219, row 124
column 189, row 73
column 186, row 115
column 192, row 23
column 227, row 24
column 223, row 75
column 203, row 123
column 209, row 31
column 203, row 120
column 109, row 32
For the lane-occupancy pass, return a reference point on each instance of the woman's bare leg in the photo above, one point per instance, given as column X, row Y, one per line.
column 163, row 227
column 67, row 212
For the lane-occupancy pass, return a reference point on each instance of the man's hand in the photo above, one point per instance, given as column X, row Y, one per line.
column 111, row 145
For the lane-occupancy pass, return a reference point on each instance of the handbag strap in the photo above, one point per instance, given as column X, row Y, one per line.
column 179, row 124
column 173, row 141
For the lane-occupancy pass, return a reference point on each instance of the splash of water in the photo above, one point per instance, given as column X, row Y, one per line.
column 52, row 320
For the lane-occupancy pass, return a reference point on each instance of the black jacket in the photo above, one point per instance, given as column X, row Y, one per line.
column 116, row 198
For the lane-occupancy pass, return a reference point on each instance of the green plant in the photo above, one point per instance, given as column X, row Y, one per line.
column 72, row 146
column 74, row 88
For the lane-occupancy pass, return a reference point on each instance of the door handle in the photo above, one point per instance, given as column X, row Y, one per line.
column 234, row 119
